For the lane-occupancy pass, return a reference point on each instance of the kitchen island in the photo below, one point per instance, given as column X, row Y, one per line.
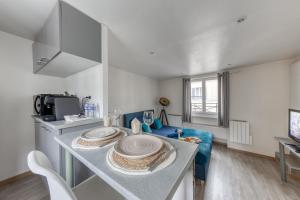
column 173, row 182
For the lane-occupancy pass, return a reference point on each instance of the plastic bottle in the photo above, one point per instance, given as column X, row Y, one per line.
column 92, row 109
column 86, row 109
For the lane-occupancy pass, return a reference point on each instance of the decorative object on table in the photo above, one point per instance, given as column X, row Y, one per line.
column 148, row 118
column 164, row 102
column 135, row 126
column 98, row 137
column 116, row 116
column 140, row 155
column 190, row 139
column 179, row 133
column 107, row 121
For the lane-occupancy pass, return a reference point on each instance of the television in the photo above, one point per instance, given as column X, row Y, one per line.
column 294, row 124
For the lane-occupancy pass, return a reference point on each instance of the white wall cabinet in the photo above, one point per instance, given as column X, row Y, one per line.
column 69, row 42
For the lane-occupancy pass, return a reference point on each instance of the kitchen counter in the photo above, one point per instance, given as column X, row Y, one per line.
column 45, row 133
column 57, row 125
column 174, row 182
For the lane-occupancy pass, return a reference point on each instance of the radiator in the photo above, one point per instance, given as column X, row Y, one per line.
column 175, row 120
column 239, row 132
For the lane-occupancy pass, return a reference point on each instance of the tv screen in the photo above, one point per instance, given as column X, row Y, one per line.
column 294, row 124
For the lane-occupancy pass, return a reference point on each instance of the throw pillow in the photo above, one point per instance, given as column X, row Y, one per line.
column 146, row 128
column 157, row 123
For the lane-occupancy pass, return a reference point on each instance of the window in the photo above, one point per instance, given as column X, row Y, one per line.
column 204, row 96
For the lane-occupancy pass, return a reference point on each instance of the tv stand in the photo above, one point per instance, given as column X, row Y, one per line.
column 292, row 161
column 296, row 147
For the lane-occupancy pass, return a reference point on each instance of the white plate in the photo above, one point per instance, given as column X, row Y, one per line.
column 169, row 160
column 102, row 133
column 138, row 146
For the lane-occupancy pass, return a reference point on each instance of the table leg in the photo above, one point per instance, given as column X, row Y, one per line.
column 69, row 168
column 194, row 180
column 282, row 163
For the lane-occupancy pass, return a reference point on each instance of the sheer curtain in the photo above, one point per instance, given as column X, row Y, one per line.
column 187, row 107
column 223, row 99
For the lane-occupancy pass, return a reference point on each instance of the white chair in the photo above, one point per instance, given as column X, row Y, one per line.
column 92, row 188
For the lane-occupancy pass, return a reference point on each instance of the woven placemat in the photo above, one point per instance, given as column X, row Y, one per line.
column 139, row 164
column 100, row 143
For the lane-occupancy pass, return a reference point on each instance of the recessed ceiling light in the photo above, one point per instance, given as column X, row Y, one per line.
column 241, row 19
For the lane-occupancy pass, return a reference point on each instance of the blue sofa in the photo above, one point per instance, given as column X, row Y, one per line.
column 203, row 156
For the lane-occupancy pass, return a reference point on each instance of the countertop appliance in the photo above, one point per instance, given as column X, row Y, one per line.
column 45, row 106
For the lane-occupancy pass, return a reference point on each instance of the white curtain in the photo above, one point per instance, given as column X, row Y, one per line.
column 187, row 106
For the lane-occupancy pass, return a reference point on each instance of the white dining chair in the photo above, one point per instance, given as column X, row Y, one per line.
column 91, row 189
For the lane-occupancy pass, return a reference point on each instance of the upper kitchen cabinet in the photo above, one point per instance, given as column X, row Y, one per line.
column 68, row 43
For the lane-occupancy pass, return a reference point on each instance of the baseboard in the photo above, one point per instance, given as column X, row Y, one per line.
column 251, row 153
column 220, row 141
column 15, row 178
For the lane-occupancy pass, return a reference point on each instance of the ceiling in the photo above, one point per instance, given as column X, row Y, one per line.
column 168, row 38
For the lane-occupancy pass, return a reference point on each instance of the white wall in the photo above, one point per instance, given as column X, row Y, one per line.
column 172, row 89
column 295, row 85
column 131, row 92
column 88, row 83
column 17, row 86
column 93, row 81
column 259, row 94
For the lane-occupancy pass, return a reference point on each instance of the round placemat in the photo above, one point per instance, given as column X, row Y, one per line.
column 78, row 145
column 168, row 161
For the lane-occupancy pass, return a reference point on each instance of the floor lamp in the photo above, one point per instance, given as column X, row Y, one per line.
column 163, row 114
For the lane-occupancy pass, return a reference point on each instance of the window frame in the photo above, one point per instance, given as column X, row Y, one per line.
column 203, row 113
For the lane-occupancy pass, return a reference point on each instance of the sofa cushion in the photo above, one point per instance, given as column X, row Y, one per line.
column 204, row 153
column 146, row 128
column 165, row 130
column 157, row 124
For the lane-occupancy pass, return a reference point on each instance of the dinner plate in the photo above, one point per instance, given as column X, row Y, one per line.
column 138, row 146
column 103, row 133
column 168, row 161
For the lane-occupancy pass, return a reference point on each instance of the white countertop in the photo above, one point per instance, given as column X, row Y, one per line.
column 159, row 186
column 56, row 125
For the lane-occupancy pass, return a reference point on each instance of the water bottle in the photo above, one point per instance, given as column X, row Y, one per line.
column 86, row 109
column 92, row 110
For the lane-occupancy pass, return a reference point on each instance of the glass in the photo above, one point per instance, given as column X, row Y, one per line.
column 196, row 96
column 116, row 116
column 211, row 88
column 148, row 117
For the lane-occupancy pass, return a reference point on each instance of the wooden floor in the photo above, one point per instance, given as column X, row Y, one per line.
column 236, row 175
column 232, row 176
column 29, row 188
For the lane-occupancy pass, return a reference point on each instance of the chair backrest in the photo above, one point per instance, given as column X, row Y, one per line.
column 39, row 164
